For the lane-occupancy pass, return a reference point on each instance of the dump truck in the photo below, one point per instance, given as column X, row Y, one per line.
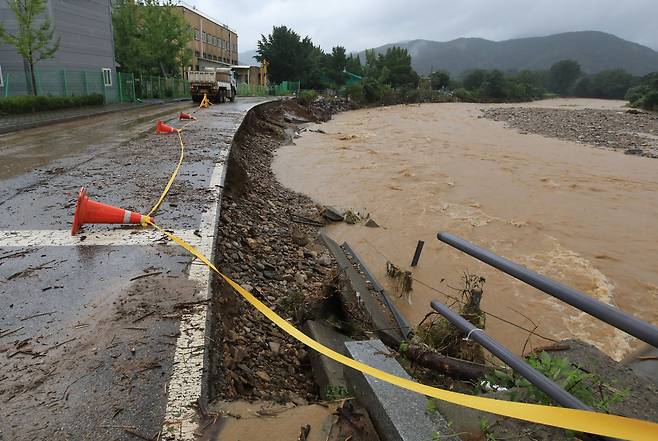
column 218, row 83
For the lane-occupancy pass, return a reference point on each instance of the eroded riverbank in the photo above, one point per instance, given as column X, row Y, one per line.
column 581, row 215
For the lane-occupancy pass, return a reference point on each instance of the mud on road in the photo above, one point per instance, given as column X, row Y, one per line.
column 88, row 331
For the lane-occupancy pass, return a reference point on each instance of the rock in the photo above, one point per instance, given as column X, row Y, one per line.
column 274, row 347
column 263, row 376
column 324, row 260
column 332, row 214
column 300, row 278
column 299, row 401
column 311, row 254
column 298, row 237
column 371, row 224
column 252, row 243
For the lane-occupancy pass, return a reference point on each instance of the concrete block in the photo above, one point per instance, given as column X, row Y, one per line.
column 328, row 373
column 398, row 414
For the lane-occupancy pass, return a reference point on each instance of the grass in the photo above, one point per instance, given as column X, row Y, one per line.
column 15, row 105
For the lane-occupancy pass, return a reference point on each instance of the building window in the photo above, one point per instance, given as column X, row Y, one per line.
column 197, row 54
column 196, row 34
column 107, row 77
column 204, row 37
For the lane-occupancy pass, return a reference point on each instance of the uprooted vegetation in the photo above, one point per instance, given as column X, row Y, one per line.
column 441, row 335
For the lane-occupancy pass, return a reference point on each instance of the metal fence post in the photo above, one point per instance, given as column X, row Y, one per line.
column 38, row 85
column 132, row 76
column 120, row 86
column 7, row 85
column 104, row 88
column 66, row 83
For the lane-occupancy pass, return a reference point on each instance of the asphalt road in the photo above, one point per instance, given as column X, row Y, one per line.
column 99, row 334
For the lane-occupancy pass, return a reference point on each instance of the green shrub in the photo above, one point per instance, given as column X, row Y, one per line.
column 645, row 95
column 355, row 92
column 306, row 97
column 30, row 104
column 464, row 95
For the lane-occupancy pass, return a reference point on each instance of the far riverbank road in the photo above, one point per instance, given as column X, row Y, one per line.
column 101, row 335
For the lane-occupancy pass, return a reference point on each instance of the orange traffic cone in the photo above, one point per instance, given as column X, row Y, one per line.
column 164, row 128
column 92, row 212
column 184, row 115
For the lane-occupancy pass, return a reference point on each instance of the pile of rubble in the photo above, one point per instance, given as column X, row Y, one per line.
column 635, row 133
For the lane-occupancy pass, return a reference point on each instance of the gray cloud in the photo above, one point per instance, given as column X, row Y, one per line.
column 369, row 23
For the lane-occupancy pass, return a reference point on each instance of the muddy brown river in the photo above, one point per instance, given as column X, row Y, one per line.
column 584, row 216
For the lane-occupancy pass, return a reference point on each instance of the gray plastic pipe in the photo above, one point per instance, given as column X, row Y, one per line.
column 547, row 386
column 609, row 314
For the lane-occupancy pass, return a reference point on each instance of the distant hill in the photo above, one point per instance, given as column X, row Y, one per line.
column 595, row 51
column 246, row 58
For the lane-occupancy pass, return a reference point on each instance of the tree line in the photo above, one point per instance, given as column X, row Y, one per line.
column 388, row 77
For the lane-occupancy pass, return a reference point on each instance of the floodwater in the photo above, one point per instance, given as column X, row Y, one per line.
column 584, row 216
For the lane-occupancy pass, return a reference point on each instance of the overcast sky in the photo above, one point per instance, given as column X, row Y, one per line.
column 361, row 24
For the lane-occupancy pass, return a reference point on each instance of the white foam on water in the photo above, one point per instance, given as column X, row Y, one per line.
column 571, row 268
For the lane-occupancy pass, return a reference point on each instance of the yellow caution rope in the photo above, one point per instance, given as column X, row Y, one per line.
column 571, row 419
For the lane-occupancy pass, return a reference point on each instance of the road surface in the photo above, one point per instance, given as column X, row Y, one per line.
column 101, row 335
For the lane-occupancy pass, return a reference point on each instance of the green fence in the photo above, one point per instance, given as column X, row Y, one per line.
column 116, row 87
column 245, row 89
column 286, row 88
column 283, row 89
column 158, row 87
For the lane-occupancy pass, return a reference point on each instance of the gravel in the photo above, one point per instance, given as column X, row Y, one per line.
column 281, row 262
column 633, row 133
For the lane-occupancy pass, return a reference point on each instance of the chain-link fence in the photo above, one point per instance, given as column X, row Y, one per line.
column 116, row 87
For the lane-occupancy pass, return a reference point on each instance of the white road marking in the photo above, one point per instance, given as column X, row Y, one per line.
column 114, row 237
column 187, row 375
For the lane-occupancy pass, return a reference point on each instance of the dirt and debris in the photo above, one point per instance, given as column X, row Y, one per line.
column 633, row 133
column 281, row 262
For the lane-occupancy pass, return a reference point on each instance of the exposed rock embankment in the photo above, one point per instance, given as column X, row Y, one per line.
column 277, row 259
column 634, row 133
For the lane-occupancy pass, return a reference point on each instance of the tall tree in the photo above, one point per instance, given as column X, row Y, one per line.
column 563, row 76
column 33, row 41
column 353, row 65
column 283, row 51
column 337, row 64
column 151, row 36
column 397, row 62
column 439, row 79
column 292, row 58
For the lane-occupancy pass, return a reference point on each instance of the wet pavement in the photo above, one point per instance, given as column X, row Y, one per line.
column 90, row 329
column 23, row 121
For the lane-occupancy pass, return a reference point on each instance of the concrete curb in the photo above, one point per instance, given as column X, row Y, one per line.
column 398, row 414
